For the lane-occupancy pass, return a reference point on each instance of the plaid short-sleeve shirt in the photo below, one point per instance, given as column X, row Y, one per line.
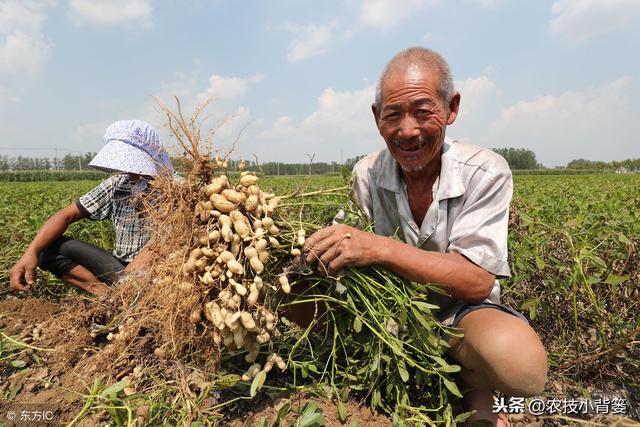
column 112, row 200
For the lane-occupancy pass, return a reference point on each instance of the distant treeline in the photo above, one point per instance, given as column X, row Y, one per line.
column 320, row 168
column 68, row 162
column 558, row 171
column 523, row 159
column 519, row 159
column 52, row 175
column 631, row 165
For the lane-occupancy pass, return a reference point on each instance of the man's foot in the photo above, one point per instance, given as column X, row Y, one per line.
column 97, row 289
column 481, row 401
column 82, row 278
column 502, row 420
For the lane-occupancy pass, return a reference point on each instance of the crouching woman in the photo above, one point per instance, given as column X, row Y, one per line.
column 134, row 152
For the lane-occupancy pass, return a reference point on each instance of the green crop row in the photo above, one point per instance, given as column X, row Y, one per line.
column 573, row 245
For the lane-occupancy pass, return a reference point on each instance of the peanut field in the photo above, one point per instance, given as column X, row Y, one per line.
column 573, row 248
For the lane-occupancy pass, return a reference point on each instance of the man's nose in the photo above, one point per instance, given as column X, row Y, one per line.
column 408, row 128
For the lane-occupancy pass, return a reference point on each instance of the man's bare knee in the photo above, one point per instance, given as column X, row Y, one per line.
column 526, row 376
column 500, row 351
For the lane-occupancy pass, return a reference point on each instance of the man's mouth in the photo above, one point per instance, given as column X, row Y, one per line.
column 409, row 146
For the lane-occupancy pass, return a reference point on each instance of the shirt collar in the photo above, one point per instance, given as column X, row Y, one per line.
column 449, row 182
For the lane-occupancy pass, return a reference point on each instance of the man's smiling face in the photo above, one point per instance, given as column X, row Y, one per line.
column 413, row 116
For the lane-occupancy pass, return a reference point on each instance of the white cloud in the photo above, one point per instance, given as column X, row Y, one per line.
column 386, row 14
column 89, row 135
column 342, row 121
column 26, row 15
column 309, row 40
column 228, row 88
column 224, row 114
column 112, row 12
column 23, row 47
column 475, row 93
column 479, row 96
column 315, row 39
column 23, row 52
column 282, row 128
column 597, row 123
column 8, row 97
column 579, row 20
column 181, row 86
column 230, row 132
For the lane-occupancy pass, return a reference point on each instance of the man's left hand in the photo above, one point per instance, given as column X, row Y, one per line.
column 341, row 246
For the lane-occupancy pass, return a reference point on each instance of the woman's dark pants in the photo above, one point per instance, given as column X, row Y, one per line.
column 65, row 253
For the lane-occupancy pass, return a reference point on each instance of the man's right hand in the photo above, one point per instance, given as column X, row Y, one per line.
column 23, row 273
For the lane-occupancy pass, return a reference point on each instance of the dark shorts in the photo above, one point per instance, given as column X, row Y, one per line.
column 65, row 253
column 468, row 308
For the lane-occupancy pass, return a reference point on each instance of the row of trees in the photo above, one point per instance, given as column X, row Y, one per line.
column 273, row 168
column 632, row 165
column 518, row 159
column 68, row 162
column 24, row 163
column 81, row 162
column 521, row 158
column 319, row 168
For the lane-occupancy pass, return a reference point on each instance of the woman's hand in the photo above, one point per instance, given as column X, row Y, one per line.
column 23, row 273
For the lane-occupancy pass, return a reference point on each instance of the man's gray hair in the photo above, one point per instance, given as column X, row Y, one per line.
column 420, row 56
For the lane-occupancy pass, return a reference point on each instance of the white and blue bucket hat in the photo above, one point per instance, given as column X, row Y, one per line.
column 132, row 146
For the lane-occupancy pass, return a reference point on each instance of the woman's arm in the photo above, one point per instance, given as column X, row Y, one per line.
column 23, row 273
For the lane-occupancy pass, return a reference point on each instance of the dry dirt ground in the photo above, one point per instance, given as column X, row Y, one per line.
column 65, row 326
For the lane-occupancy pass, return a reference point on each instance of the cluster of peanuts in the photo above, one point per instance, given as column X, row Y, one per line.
column 30, row 334
column 233, row 243
column 136, row 374
column 124, row 332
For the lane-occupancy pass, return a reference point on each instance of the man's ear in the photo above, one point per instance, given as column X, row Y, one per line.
column 454, row 106
column 376, row 113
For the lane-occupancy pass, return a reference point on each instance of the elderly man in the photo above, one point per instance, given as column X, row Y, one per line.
column 448, row 202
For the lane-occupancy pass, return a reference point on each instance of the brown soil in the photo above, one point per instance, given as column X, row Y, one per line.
column 48, row 370
column 73, row 329
column 66, row 328
column 16, row 313
column 268, row 410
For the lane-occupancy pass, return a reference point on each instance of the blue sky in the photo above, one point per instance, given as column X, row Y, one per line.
column 559, row 77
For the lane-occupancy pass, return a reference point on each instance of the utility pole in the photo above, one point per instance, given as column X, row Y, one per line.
column 311, row 157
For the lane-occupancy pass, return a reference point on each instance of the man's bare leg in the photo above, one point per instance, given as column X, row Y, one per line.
column 82, row 278
column 498, row 352
column 481, row 401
